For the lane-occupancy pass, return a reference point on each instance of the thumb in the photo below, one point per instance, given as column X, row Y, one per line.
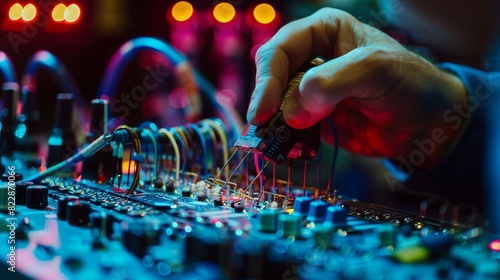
column 328, row 84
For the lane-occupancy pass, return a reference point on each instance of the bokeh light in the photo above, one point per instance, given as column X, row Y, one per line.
column 72, row 13
column 224, row 12
column 15, row 11
column 29, row 12
column 182, row 11
column 264, row 13
column 495, row 245
column 58, row 12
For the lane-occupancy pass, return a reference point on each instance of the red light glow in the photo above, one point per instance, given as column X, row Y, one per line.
column 495, row 245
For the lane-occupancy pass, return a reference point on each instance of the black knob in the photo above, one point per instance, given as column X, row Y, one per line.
column 138, row 238
column 37, row 196
column 170, row 187
column 101, row 224
column 208, row 248
column 218, row 202
column 99, row 116
column 158, row 184
column 78, row 213
column 62, row 205
column 186, row 193
column 21, row 188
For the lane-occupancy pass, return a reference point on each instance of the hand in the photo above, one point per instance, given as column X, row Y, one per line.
column 380, row 96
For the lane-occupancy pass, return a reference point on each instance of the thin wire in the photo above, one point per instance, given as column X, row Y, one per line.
column 223, row 168
column 236, row 169
column 262, row 178
column 214, row 142
column 183, row 143
column 114, row 146
column 171, row 138
column 155, row 150
column 189, row 143
column 224, row 142
column 320, row 153
column 119, row 165
column 289, row 180
column 335, row 152
column 131, row 156
column 136, row 144
column 204, row 159
column 257, row 176
column 304, row 180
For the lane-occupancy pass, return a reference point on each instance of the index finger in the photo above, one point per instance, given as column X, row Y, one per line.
column 292, row 46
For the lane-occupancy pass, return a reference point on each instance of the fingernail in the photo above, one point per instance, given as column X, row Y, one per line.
column 295, row 115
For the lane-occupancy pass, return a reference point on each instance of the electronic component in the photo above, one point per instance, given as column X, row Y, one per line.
column 98, row 167
column 175, row 203
column 276, row 139
column 62, row 141
column 37, row 196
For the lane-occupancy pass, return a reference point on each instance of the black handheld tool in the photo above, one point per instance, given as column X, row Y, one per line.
column 276, row 139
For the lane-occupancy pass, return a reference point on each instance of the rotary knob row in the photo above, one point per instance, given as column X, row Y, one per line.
column 23, row 193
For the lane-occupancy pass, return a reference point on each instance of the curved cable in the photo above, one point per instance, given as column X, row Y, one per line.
column 151, row 136
column 205, row 160
column 59, row 73
column 190, row 152
column 149, row 125
column 170, row 137
column 7, row 68
column 82, row 155
column 131, row 48
column 225, row 145
column 213, row 142
column 182, row 140
column 136, row 143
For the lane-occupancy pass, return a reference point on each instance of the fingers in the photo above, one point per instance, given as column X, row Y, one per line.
column 323, row 87
column 272, row 69
column 291, row 47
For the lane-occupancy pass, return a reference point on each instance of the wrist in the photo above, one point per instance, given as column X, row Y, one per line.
column 442, row 127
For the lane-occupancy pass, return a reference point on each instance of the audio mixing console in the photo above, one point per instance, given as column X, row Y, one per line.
column 190, row 202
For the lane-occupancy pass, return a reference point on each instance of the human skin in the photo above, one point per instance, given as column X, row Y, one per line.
column 380, row 96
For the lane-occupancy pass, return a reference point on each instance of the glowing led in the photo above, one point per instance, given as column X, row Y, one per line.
column 58, row 12
column 264, row 13
column 72, row 13
column 29, row 12
column 224, row 12
column 182, row 11
column 495, row 245
column 15, row 11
